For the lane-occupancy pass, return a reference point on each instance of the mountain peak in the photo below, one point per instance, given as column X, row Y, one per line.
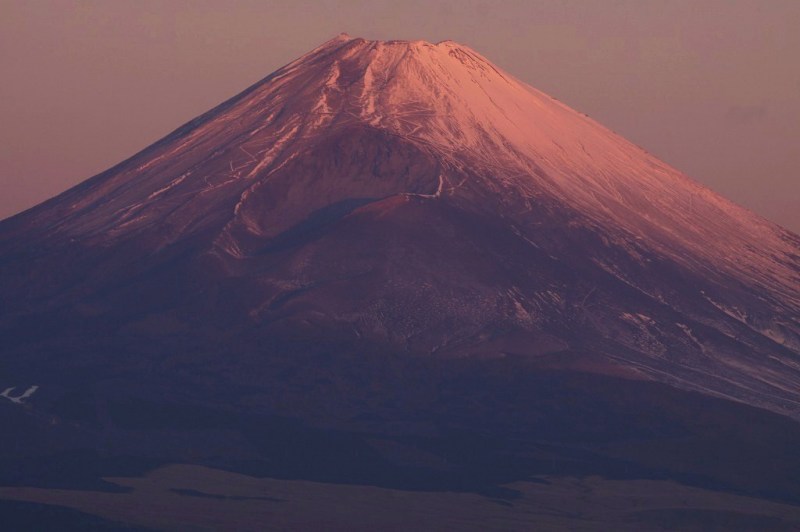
column 452, row 104
column 393, row 260
column 346, row 43
column 345, row 37
column 426, row 170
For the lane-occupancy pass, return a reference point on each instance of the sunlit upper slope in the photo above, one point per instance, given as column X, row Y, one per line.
column 452, row 102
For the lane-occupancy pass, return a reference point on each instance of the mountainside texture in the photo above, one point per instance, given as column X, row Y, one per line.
column 380, row 233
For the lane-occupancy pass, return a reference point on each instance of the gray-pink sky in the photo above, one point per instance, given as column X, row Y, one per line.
column 711, row 87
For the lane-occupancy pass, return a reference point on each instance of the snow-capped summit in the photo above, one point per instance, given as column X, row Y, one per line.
column 415, row 196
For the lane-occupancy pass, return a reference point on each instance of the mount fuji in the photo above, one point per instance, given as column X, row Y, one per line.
column 392, row 263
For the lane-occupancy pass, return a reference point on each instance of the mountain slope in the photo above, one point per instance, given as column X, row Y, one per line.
column 392, row 264
column 414, row 196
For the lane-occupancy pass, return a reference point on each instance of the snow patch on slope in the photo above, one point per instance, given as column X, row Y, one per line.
column 19, row 399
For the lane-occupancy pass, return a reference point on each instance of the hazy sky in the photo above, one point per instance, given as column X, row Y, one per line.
column 711, row 87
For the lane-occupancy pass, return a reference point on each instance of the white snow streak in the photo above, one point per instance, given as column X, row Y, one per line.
column 20, row 398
